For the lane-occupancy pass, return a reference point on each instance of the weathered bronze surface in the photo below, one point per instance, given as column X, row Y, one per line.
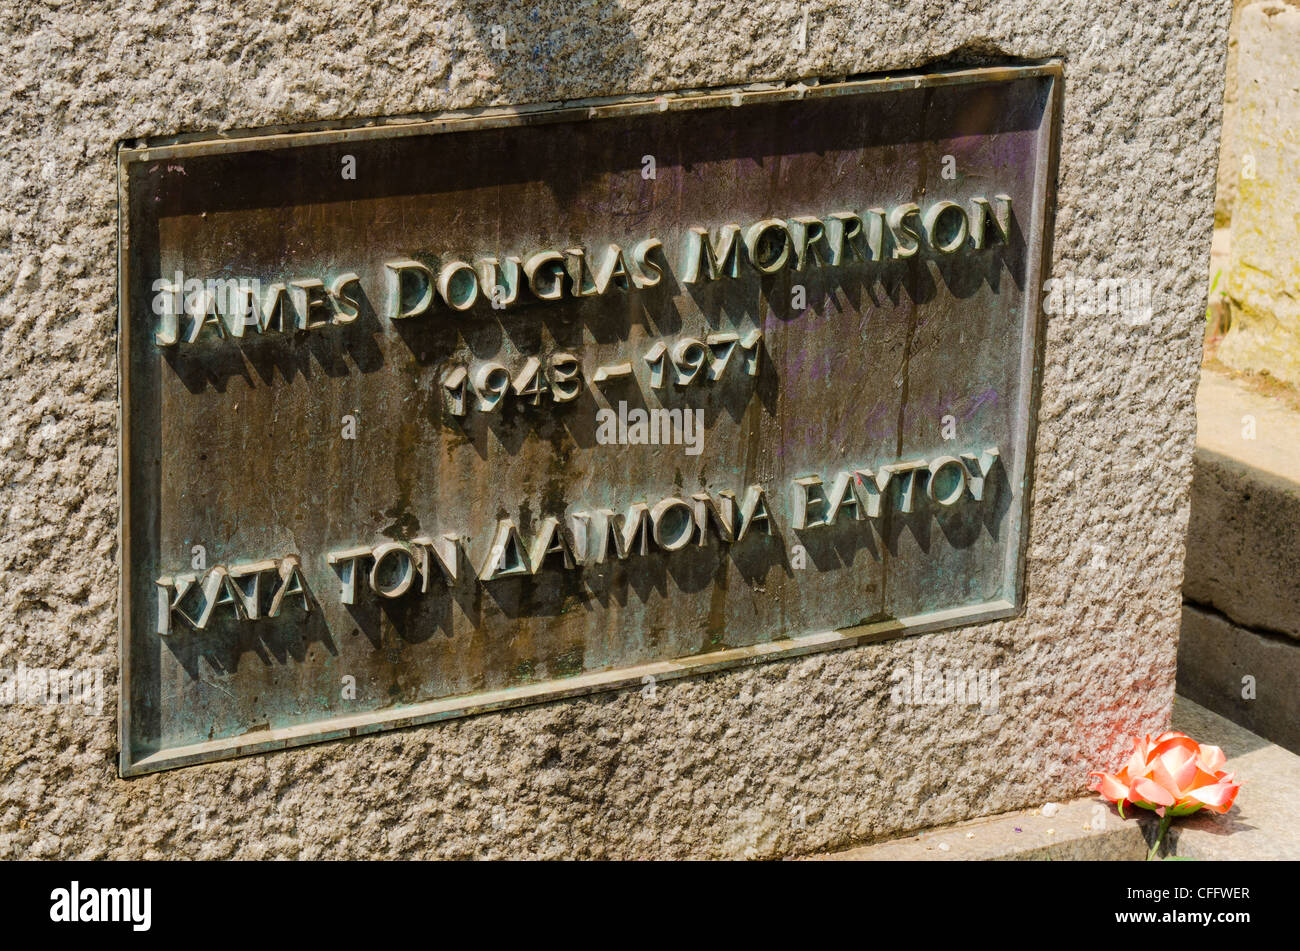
column 294, row 456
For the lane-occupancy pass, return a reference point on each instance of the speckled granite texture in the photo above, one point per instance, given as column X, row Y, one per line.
column 789, row 758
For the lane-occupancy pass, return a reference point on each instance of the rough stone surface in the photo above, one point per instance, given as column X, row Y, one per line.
column 1263, row 286
column 717, row 766
column 1242, row 559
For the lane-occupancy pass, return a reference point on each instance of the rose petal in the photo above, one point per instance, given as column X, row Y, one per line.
column 1137, row 762
column 1153, row 792
column 1203, row 778
column 1158, row 773
column 1217, row 798
column 1211, row 758
column 1112, row 787
column 1172, row 741
column 1175, row 768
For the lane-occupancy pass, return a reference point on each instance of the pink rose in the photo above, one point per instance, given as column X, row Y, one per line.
column 1173, row 773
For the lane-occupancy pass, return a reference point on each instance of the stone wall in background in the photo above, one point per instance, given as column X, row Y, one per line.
column 1228, row 170
column 791, row 757
column 1263, row 276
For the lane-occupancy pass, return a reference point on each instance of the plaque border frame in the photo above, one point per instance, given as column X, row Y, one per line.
column 433, row 711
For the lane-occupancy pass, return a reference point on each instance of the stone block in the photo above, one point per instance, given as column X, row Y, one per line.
column 1249, row 677
column 716, row 765
column 1242, row 557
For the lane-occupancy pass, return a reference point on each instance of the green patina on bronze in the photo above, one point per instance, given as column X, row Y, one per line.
column 237, row 445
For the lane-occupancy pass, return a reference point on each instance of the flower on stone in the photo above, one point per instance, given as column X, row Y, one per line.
column 1171, row 774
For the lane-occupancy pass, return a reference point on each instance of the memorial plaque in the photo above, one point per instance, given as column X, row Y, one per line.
column 429, row 418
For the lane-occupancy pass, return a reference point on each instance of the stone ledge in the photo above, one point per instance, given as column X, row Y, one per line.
column 1260, row 825
column 1026, row 835
column 1241, row 556
column 1214, row 657
column 1257, row 827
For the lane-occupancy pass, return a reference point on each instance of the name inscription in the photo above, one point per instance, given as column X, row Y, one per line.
column 233, row 307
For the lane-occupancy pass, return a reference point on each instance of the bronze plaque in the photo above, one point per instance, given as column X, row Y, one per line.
column 428, row 418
